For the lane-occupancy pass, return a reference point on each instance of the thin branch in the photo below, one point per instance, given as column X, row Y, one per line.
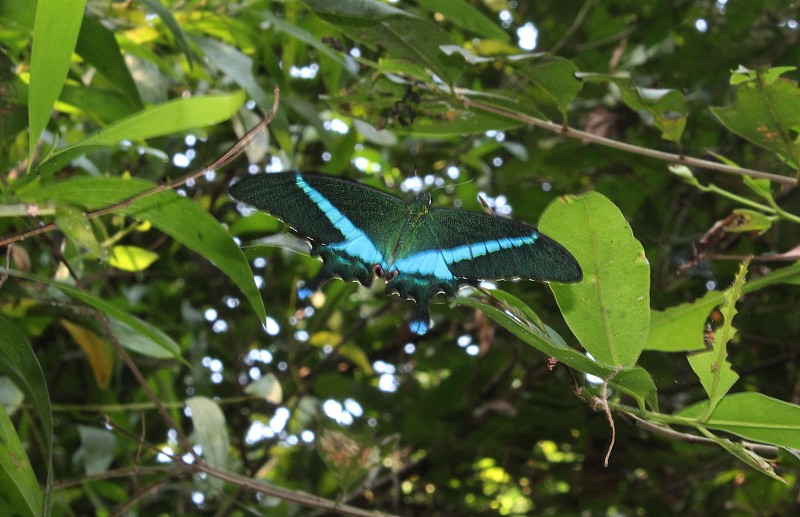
column 253, row 485
column 125, row 508
column 232, row 153
column 630, row 148
column 123, row 354
column 111, row 474
column 761, row 449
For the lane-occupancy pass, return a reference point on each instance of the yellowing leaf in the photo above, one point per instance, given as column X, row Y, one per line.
column 131, row 258
column 347, row 350
column 97, row 350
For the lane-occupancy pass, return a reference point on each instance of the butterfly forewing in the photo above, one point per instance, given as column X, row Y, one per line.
column 479, row 246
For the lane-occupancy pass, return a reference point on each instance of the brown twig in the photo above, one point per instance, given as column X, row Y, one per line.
column 123, row 354
column 253, row 485
column 630, row 148
column 232, row 153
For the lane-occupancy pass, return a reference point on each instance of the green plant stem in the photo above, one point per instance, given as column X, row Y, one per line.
column 658, row 423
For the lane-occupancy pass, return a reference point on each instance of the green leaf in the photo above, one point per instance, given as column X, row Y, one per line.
column 165, row 119
column 555, row 76
column 681, row 328
column 347, row 350
column 306, row 37
column 177, row 216
column 75, row 226
column 403, row 35
column 508, row 315
column 19, row 489
column 143, row 338
column 131, row 258
column 55, row 33
column 236, row 65
column 747, row 456
column 609, row 310
column 210, row 433
column 167, row 345
column 464, row 15
column 712, row 366
column 98, row 46
column 665, row 108
column 172, row 25
column 458, row 122
column 766, row 112
column 753, row 416
column 20, row 364
column 761, row 187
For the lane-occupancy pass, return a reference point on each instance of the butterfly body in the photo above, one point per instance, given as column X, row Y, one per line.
column 361, row 233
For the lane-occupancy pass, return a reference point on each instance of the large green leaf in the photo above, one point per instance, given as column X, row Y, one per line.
column 19, row 489
column 766, row 112
column 464, row 15
column 98, row 46
column 156, row 344
column 517, row 318
column 19, row 363
column 55, row 33
column 165, row 119
column 555, row 76
column 753, row 416
column 609, row 310
column 403, row 35
column 177, row 216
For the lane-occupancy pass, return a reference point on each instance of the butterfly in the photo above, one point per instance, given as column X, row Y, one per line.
column 361, row 233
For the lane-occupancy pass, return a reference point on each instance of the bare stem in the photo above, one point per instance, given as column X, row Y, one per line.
column 630, row 148
column 253, row 485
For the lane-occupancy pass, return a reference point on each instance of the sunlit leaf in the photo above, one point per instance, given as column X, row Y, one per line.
column 609, row 310
column 55, row 33
column 131, row 258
